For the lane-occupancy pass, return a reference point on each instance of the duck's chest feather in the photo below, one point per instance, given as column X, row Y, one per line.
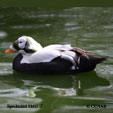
column 56, row 66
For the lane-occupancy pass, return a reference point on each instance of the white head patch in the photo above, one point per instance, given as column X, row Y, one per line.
column 22, row 41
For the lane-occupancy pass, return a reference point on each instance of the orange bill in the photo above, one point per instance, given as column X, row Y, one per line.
column 9, row 51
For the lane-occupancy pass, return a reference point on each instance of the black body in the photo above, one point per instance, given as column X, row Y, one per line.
column 56, row 66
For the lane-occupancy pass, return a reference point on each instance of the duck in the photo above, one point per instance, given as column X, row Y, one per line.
column 32, row 58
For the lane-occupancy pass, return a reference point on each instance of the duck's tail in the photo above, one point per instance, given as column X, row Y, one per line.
column 85, row 61
column 89, row 64
column 97, row 60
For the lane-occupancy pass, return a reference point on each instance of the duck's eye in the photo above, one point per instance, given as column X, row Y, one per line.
column 20, row 42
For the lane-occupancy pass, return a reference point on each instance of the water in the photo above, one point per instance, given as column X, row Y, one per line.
column 88, row 28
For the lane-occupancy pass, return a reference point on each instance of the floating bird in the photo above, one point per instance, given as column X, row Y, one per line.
column 32, row 58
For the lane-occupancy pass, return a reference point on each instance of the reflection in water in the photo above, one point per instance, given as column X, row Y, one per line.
column 10, row 94
column 64, row 85
column 88, row 80
column 60, row 90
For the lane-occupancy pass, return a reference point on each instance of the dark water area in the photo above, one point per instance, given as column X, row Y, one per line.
column 87, row 28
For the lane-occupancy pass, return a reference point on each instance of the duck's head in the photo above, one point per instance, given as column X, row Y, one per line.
column 24, row 44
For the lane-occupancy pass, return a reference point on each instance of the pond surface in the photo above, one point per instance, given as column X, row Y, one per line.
column 88, row 28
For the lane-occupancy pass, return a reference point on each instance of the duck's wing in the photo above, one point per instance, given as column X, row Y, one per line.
column 50, row 53
column 68, row 48
column 65, row 52
column 80, row 52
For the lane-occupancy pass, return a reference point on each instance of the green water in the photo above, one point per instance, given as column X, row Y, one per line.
column 88, row 28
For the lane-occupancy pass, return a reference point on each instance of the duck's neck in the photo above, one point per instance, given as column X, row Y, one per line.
column 34, row 45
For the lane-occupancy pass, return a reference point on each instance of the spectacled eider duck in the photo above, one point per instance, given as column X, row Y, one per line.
column 32, row 58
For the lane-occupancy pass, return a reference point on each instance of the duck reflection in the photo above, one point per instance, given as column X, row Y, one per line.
column 64, row 85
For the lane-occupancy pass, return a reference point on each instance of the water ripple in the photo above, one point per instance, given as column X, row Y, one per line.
column 3, row 34
column 5, row 68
